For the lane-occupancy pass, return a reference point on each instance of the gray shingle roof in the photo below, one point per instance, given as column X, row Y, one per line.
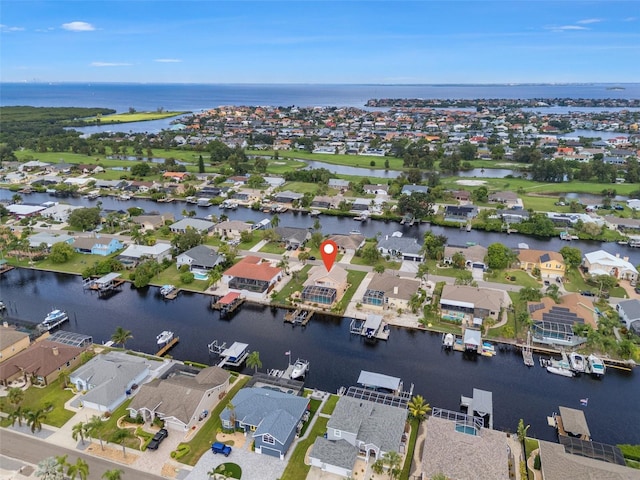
column 203, row 255
column 195, row 223
column 631, row 308
column 339, row 453
column 400, row 244
column 299, row 235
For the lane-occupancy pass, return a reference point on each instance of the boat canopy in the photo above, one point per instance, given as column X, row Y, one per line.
column 574, row 422
column 229, row 298
column 372, row 322
column 108, row 278
column 372, row 379
column 235, row 350
column 472, row 337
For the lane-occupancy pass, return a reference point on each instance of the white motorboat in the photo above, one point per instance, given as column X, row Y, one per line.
column 2, row 306
column 448, row 340
column 565, row 372
column 595, row 366
column 165, row 337
column 300, row 369
column 54, row 318
column 166, row 290
column 577, row 362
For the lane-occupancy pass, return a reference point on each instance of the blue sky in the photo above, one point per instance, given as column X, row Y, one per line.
column 320, row 42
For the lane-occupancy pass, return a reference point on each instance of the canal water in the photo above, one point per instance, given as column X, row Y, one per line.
column 336, row 357
column 331, row 224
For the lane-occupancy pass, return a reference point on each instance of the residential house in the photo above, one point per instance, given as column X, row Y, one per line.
column 271, row 417
column 348, row 244
column 474, row 255
column 293, row 237
column 601, row 262
column 463, row 303
column 274, row 182
column 402, row 247
column 390, row 291
column 409, row 189
column 621, row 224
column 201, row 226
column 108, row 380
column 180, row 396
column 41, row 362
column 324, row 202
column 135, row 253
column 152, row 222
column 371, row 428
column 376, row 189
column 508, row 198
column 88, row 168
column 325, row 288
column 629, row 311
column 462, row 195
column 231, row 229
column 339, row 184
column 138, row 186
column 460, row 213
column 12, row 341
column 553, row 323
column 199, row 258
column 59, row 212
column 110, row 184
column 20, row 210
column 175, row 176
column 513, row 215
column 362, row 204
column 49, row 239
column 287, row 196
column 550, row 264
column 252, row 276
column 97, row 245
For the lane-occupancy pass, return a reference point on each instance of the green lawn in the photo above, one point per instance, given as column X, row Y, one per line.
column 133, row 117
column 406, row 469
column 77, row 263
column 543, row 204
column 574, row 281
column 36, row 398
column 274, row 247
column 363, row 161
column 304, row 187
column 293, row 285
column 171, row 276
column 354, row 278
column 330, row 405
column 206, row 435
column 296, row 469
column 388, row 264
column 522, row 278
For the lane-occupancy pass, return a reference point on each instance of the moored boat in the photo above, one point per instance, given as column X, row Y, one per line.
column 577, row 362
column 565, row 372
column 54, row 318
column 300, row 369
column 166, row 290
column 165, row 337
column 595, row 366
column 448, row 340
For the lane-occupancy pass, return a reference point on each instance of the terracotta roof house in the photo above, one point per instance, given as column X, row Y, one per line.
column 389, row 291
column 12, row 341
column 199, row 257
column 97, row 245
column 553, row 323
column 462, row 302
column 271, row 417
column 325, row 288
column 175, row 176
column 231, row 229
column 41, row 361
column 252, row 276
column 603, row 263
column 550, row 264
column 200, row 226
column 180, row 396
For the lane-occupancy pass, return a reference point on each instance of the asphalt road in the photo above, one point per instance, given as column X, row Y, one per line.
column 33, row 450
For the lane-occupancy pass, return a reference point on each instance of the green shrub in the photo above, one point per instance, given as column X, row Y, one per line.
column 537, row 463
column 181, row 451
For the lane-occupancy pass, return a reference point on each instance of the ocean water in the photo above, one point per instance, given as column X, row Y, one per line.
column 145, row 97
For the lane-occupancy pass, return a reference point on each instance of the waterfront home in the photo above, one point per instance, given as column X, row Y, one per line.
column 12, row 342
column 359, row 427
column 348, row 244
column 633, row 204
column 41, row 362
column 59, row 212
column 180, row 396
column 463, row 303
column 293, row 237
column 108, row 380
column 460, row 213
column 325, row 288
column 138, row 186
column 409, row 189
column 478, row 453
column 474, row 255
column 252, row 276
column 550, row 264
column 376, row 189
column 136, row 253
column 203, row 227
column 629, row 311
column 175, row 176
column 320, row 201
column 151, row 222
column 621, row 224
column 386, row 291
column 553, row 324
column 272, row 418
column 601, row 262
column 199, row 258
column 97, row 245
column 231, row 229
column 287, row 196
column 513, row 215
column 19, row 210
column 338, row 184
column 49, row 239
column 401, row 247
column 110, row 184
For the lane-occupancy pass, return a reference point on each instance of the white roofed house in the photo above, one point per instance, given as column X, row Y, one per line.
column 136, row 253
column 603, row 263
column 201, row 226
column 59, row 212
column 49, row 239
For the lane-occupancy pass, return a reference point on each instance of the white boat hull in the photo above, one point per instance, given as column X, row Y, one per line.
column 165, row 337
column 560, row 371
column 300, row 369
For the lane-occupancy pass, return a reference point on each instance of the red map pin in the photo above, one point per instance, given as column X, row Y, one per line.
column 329, row 251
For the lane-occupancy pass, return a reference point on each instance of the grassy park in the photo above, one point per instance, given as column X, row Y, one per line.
column 132, row 117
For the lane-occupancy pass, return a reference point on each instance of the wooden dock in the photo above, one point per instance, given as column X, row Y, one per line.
column 106, row 284
column 5, row 268
column 299, row 316
column 172, row 295
column 167, row 347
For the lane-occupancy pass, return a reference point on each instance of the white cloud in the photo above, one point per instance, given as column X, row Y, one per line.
column 167, row 60
column 630, row 19
column 587, row 21
column 7, row 28
column 565, row 28
column 110, row 64
column 78, row 27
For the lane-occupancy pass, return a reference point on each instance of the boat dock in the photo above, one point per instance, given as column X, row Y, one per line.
column 479, row 405
column 232, row 356
column 172, row 295
column 372, row 327
column 5, row 267
column 228, row 304
column 527, row 354
column 105, row 285
column 299, row 316
column 168, row 347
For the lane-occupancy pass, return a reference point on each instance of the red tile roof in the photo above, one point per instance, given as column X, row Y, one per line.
column 252, row 267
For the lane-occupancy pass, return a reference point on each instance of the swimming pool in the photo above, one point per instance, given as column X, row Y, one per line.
column 200, row 275
column 468, row 429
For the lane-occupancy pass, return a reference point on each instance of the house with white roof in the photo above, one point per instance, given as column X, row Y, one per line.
column 158, row 252
column 200, row 226
column 59, row 212
column 601, row 262
column 49, row 239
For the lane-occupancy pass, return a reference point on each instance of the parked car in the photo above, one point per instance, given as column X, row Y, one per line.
column 587, row 293
column 157, row 439
column 219, row 447
column 546, row 283
column 637, row 289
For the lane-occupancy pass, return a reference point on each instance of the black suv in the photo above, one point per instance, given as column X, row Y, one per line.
column 157, row 439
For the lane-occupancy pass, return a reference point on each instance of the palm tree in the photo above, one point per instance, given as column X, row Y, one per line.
column 94, row 427
column 16, row 198
column 284, row 264
column 49, row 469
column 253, row 361
column 78, row 469
column 64, row 378
column 393, row 460
column 316, row 225
column 215, row 275
column 120, row 436
column 62, row 462
column 18, row 414
column 15, row 396
column 115, row 474
column 275, row 221
column 35, row 419
column 121, row 336
column 418, row 409
column 79, row 430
